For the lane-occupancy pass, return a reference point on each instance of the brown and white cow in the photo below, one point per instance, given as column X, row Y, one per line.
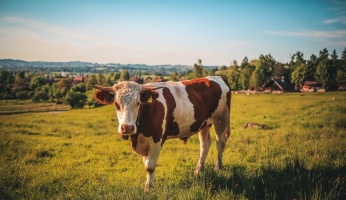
column 152, row 113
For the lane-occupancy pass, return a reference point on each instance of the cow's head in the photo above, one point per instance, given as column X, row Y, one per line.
column 127, row 97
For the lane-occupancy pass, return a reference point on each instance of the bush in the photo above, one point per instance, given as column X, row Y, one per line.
column 76, row 99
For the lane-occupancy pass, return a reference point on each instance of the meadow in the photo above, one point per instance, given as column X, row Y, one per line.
column 20, row 106
column 78, row 154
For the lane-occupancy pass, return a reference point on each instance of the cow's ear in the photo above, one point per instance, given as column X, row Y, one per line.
column 149, row 95
column 104, row 97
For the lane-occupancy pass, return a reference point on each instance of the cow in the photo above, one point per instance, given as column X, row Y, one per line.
column 152, row 113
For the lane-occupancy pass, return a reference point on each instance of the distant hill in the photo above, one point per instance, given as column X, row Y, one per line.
column 22, row 63
column 87, row 67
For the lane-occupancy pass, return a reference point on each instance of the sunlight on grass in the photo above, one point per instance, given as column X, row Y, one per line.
column 79, row 154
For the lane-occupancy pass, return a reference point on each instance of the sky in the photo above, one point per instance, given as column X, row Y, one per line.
column 161, row 32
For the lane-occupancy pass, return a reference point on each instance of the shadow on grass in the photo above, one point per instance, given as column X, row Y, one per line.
column 293, row 181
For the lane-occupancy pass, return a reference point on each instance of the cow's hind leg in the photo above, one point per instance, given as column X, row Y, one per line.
column 205, row 142
column 222, row 133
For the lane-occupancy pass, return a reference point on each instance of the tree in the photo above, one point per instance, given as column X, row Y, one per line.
column 36, row 98
column 111, row 79
column 333, row 67
column 265, row 64
column 125, row 75
column 76, row 99
column 81, row 87
column 91, row 81
column 233, row 75
column 6, row 81
column 341, row 77
column 19, row 84
column 174, row 76
column 22, row 95
column 322, row 74
column 299, row 75
column 100, row 79
column 245, row 76
column 91, row 101
column 244, row 63
column 65, row 83
column 198, row 69
column 297, row 59
column 343, row 60
column 256, row 79
column 213, row 71
column 311, row 67
column 42, row 93
column 37, row 81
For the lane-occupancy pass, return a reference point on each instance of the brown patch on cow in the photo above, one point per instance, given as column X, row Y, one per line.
column 204, row 94
column 150, row 119
column 139, row 144
column 104, row 97
column 149, row 95
column 172, row 128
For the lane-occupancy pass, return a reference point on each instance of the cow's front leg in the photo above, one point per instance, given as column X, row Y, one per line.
column 150, row 163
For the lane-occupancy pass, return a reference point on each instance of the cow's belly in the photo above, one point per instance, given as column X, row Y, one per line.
column 182, row 135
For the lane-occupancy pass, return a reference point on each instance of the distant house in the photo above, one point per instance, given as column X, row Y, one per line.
column 311, row 86
column 277, row 85
column 342, row 86
column 77, row 79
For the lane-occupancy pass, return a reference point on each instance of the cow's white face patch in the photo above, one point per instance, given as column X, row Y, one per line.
column 127, row 102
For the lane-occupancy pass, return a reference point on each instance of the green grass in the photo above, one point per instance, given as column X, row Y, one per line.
column 79, row 154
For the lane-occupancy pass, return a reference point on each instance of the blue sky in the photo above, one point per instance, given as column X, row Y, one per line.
column 169, row 32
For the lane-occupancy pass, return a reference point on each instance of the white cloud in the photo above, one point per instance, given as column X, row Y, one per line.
column 341, row 20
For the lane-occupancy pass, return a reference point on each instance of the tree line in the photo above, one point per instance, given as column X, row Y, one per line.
column 327, row 69
column 40, row 87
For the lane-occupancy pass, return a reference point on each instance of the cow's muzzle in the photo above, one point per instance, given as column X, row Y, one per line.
column 127, row 129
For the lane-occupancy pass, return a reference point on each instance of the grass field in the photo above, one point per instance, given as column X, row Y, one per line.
column 16, row 107
column 79, row 155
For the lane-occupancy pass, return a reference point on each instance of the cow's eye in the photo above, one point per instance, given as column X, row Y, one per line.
column 117, row 105
column 139, row 103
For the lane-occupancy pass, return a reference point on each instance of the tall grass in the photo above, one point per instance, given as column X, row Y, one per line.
column 78, row 154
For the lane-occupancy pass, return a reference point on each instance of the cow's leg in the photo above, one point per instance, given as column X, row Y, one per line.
column 150, row 163
column 205, row 142
column 221, row 137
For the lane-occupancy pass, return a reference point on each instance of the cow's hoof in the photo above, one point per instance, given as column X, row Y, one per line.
column 147, row 187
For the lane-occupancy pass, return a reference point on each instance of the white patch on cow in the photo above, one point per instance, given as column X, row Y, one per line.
column 163, row 101
column 222, row 106
column 184, row 111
